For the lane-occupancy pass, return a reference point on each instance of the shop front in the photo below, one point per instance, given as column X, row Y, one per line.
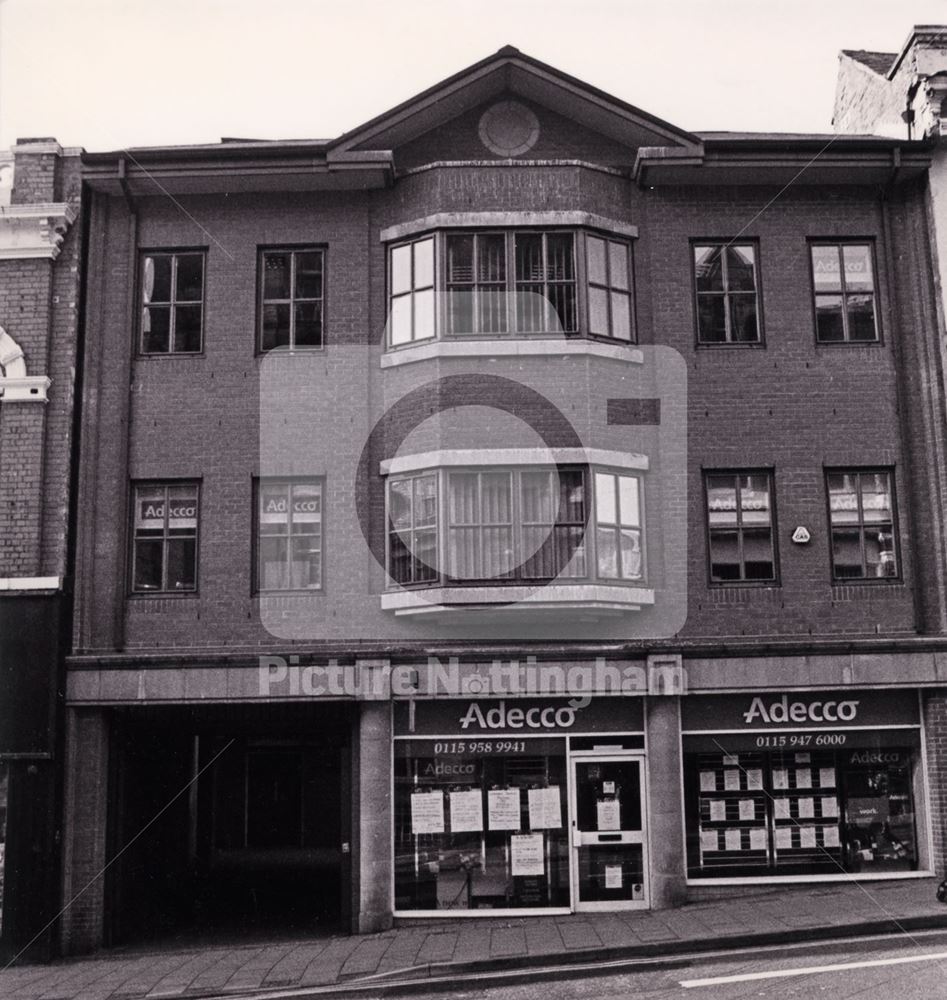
column 803, row 785
column 519, row 805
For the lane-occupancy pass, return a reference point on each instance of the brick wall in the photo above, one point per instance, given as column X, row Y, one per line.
column 794, row 406
column 39, row 310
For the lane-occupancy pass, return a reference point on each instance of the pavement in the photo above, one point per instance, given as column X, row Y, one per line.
column 459, row 947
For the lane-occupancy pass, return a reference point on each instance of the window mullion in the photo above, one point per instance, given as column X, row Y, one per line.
column 861, row 524
column 172, row 308
column 843, row 291
column 725, row 293
column 619, row 561
column 741, row 550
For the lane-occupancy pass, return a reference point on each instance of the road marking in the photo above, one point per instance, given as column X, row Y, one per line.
column 811, row 970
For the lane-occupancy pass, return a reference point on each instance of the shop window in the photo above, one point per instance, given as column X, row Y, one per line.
column 511, row 526
column 481, row 831
column 740, row 527
column 819, row 811
column 510, row 283
column 843, row 280
column 726, row 280
column 164, row 537
column 862, row 523
column 291, row 299
column 289, row 536
column 172, row 310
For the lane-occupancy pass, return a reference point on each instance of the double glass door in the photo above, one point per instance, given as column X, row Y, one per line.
column 609, row 845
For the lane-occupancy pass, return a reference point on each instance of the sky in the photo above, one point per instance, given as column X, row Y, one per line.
column 108, row 74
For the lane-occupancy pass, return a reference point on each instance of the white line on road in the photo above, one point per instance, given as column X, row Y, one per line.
column 811, row 970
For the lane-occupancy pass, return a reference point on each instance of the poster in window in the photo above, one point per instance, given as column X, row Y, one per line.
column 731, row 780
column 503, row 808
column 803, row 777
column 830, row 806
column 718, row 811
column 782, row 808
column 780, row 777
column 783, row 838
column 708, row 781
column 608, row 814
column 806, row 807
column 466, row 811
column 747, row 809
column 754, row 779
column 807, row 836
column 827, row 777
column 613, row 876
column 526, row 854
column 732, row 839
column 545, row 809
column 830, row 836
column 709, row 840
column 427, row 812
column 757, row 839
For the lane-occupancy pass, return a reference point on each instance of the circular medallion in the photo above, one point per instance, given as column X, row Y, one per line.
column 509, row 129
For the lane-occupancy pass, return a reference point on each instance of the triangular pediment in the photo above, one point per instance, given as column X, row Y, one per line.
column 447, row 120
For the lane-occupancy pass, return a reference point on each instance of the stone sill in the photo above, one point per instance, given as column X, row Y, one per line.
column 582, row 598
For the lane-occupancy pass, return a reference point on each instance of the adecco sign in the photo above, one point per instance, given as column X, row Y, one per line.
column 518, row 716
column 799, row 710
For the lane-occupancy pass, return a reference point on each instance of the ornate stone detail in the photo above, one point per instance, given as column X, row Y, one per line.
column 34, row 230
column 15, row 385
column 509, row 128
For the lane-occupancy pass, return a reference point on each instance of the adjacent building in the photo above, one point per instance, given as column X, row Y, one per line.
column 40, row 246
column 518, row 504
column 904, row 94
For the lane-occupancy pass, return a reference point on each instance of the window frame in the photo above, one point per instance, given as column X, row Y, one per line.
column 860, row 470
column 412, row 291
column 261, row 301
column 443, row 576
column 586, row 283
column 165, row 484
column 617, row 475
column 258, row 482
column 580, row 282
column 721, row 242
column 735, row 473
column 438, row 576
column 839, row 242
column 174, row 253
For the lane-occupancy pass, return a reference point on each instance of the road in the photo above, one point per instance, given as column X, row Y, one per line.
column 900, row 967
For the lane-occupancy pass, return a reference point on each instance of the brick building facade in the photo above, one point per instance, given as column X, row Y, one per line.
column 385, row 437
column 40, row 249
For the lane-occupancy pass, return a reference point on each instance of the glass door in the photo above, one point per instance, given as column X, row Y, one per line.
column 608, row 836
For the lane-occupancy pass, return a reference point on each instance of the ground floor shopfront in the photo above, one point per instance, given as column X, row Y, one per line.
column 348, row 814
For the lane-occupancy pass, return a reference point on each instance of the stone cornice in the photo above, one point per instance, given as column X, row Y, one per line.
column 34, row 230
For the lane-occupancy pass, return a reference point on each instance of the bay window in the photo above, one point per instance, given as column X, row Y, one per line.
column 508, row 526
column 510, row 283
